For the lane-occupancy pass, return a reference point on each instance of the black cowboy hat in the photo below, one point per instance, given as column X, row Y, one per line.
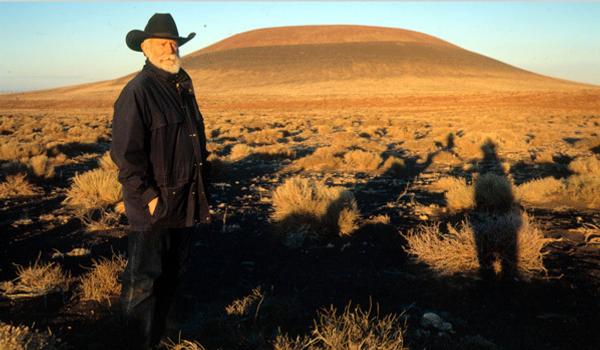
column 160, row 25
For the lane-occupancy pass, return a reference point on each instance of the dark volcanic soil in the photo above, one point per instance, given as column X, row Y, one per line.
column 558, row 311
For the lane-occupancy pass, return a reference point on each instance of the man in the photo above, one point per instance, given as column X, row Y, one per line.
column 159, row 146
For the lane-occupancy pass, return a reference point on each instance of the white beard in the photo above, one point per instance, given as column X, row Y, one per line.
column 171, row 63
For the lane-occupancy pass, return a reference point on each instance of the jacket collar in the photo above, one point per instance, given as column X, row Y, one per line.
column 181, row 76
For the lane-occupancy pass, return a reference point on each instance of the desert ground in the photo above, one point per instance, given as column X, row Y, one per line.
column 440, row 211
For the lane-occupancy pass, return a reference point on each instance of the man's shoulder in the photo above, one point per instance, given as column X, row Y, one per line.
column 137, row 84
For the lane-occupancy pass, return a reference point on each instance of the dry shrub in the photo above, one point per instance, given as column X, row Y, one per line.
column 586, row 166
column 17, row 186
column 247, row 305
column 94, row 189
column 344, row 139
column 323, row 159
column 540, row 191
column 274, row 151
column 459, row 195
column 584, row 190
column 14, row 150
column 240, row 151
column 447, row 254
column 41, row 166
column 493, row 192
column 457, row 251
column 348, row 219
column 333, row 158
column 362, row 161
column 314, row 208
column 265, row 137
column 25, row 338
column 107, row 163
column 36, row 280
column 102, row 219
column 578, row 191
column 182, row 345
column 353, row 329
column 102, row 281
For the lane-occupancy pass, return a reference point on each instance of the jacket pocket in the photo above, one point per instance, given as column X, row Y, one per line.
column 171, row 209
column 177, row 203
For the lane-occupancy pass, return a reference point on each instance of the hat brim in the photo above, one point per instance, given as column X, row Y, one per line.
column 135, row 38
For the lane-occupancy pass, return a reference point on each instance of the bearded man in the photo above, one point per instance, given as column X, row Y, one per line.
column 159, row 146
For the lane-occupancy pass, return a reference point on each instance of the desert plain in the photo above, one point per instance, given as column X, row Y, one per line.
column 358, row 176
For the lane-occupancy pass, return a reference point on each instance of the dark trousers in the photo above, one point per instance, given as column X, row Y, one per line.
column 155, row 267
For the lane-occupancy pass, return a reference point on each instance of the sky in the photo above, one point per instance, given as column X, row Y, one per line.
column 53, row 44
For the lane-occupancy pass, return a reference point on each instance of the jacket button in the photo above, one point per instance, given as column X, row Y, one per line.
column 174, row 192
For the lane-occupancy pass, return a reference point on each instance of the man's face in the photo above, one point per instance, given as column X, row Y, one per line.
column 163, row 53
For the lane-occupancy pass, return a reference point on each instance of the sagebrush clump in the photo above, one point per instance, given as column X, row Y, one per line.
column 25, row 338
column 102, row 281
column 504, row 236
column 306, row 208
column 36, row 280
column 94, row 189
column 354, row 328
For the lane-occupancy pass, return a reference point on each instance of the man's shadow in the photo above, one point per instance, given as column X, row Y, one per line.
column 496, row 219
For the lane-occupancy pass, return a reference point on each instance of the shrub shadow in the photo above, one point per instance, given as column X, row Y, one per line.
column 492, row 199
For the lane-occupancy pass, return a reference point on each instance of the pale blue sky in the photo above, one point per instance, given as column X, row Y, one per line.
column 56, row 44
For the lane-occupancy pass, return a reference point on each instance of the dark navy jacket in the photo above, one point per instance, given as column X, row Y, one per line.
column 159, row 145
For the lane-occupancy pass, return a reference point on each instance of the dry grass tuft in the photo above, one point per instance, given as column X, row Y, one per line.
column 348, row 219
column 539, row 191
column 41, row 166
column 25, row 338
column 313, row 208
column 107, row 163
column 586, row 165
column 240, row 151
column 323, row 159
column 339, row 159
column 36, row 280
column 578, row 191
column 102, row 219
column 353, row 329
column 459, row 195
column 584, row 190
column 17, row 186
column 446, row 254
column 182, row 345
column 246, row 305
column 102, row 281
column 459, row 249
column 94, row 189
column 362, row 161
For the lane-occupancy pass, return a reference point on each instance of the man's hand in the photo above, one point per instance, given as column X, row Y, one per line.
column 152, row 205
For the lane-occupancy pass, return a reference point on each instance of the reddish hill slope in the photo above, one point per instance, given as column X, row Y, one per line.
column 317, row 61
